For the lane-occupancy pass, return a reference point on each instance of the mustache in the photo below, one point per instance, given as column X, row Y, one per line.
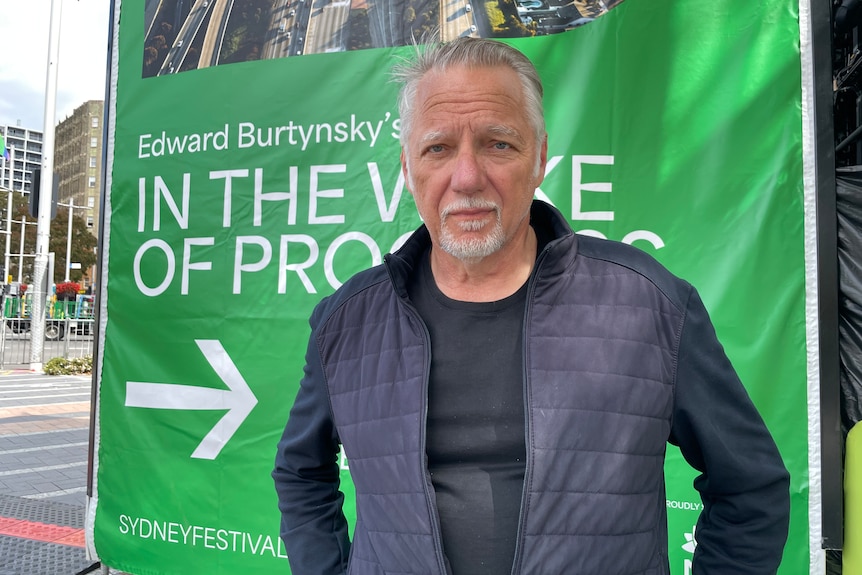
column 469, row 203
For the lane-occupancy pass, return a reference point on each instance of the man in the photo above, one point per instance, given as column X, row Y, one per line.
column 504, row 389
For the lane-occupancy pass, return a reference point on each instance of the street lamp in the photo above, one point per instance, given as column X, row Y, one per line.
column 72, row 207
column 43, row 229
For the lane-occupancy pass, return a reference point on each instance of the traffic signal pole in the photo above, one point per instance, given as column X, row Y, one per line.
column 69, row 237
column 8, row 227
column 43, row 220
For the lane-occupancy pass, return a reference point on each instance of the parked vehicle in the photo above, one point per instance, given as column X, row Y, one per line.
column 83, row 323
column 54, row 329
column 75, row 316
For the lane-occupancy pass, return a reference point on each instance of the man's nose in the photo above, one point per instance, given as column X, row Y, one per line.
column 468, row 175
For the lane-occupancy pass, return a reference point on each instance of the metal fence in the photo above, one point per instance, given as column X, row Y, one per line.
column 67, row 338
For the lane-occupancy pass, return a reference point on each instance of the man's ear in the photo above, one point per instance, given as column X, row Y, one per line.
column 543, row 161
column 404, row 170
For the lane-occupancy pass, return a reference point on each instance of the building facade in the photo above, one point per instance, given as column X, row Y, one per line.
column 77, row 165
column 25, row 155
column 78, row 161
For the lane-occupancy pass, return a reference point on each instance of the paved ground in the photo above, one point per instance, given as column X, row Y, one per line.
column 44, row 427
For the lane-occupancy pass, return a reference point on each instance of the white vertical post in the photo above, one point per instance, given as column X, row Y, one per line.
column 8, row 233
column 9, row 215
column 69, row 237
column 43, row 228
column 21, row 248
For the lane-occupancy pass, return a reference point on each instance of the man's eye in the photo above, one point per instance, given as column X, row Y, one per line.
column 435, row 149
column 502, row 145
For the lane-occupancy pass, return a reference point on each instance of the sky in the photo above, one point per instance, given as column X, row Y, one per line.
column 81, row 67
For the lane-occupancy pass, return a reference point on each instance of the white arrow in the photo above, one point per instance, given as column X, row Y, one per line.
column 238, row 399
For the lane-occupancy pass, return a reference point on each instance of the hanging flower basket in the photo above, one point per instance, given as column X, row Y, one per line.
column 68, row 290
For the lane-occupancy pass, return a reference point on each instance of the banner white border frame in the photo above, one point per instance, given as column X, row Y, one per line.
column 111, row 114
column 817, row 556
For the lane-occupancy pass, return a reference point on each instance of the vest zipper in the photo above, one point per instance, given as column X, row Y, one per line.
column 432, row 511
column 528, row 468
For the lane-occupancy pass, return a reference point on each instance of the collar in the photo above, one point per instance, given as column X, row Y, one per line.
column 545, row 218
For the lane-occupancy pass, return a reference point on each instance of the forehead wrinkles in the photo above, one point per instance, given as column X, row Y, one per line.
column 470, row 88
column 446, row 104
column 466, row 102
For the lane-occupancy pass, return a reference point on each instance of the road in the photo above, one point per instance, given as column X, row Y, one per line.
column 327, row 26
column 44, row 443
column 211, row 47
column 44, row 429
column 185, row 36
column 457, row 19
column 288, row 21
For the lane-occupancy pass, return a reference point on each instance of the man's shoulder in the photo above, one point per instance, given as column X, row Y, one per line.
column 357, row 286
column 619, row 253
column 634, row 260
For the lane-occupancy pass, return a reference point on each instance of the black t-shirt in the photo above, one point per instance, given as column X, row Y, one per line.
column 475, row 428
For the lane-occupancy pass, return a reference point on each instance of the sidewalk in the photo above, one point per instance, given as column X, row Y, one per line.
column 44, row 429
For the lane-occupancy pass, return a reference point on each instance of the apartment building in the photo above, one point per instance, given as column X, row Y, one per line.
column 77, row 165
column 25, row 155
column 78, row 161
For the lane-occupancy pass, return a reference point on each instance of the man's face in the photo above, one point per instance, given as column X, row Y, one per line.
column 471, row 160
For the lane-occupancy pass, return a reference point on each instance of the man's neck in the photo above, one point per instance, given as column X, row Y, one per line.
column 491, row 278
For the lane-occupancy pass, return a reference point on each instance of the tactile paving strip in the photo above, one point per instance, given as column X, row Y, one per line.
column 41, row 511
column 57, row 522
column 25, row 557
column 42, row 532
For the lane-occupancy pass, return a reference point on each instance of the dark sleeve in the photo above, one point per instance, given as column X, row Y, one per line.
column 306, row 476
column 744, row 484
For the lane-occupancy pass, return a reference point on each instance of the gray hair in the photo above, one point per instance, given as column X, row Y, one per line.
column 472, row 53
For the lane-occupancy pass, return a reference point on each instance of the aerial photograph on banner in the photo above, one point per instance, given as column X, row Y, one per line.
column 186, row 35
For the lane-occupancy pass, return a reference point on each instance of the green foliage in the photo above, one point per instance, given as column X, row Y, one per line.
column 231, row 44
column 246, row 29
column 74, row 366
column 495, row 16
column 83, row 242
column 359, row 36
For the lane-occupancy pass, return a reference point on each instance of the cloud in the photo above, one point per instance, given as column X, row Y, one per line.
column 81, row 67
column 20, row 103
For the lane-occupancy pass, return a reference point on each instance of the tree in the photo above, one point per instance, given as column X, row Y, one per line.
column 83, row 245
column 83, row 242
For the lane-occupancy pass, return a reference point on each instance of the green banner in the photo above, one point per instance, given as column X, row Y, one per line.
column 243, row 192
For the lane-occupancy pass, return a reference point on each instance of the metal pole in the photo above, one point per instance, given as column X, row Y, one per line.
column 6, row 270
column 6, row 274
column 21, row 248
column 43, row 229
column 69, row 237
column 9, row 219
